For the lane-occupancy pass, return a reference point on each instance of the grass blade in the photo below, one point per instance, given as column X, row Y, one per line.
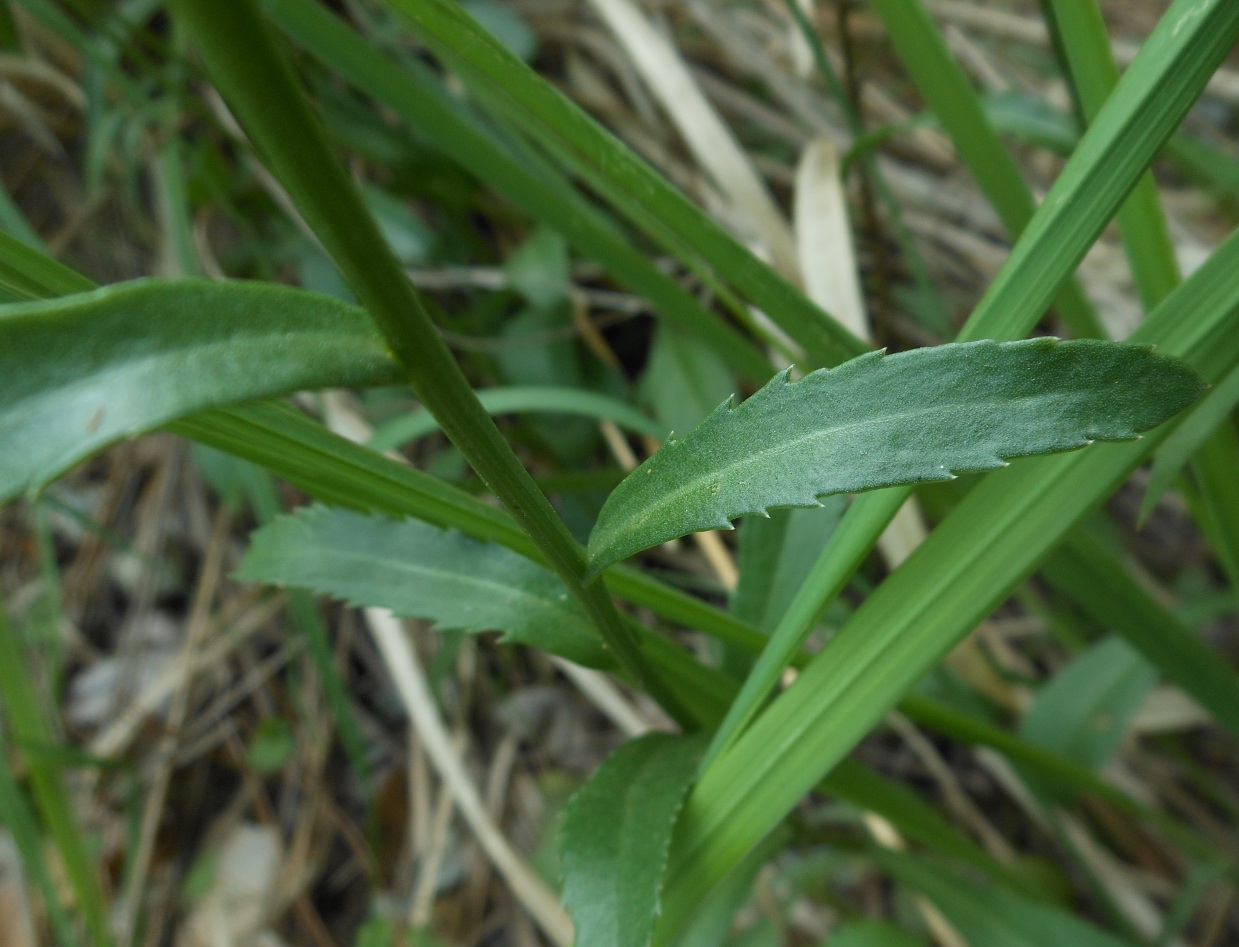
column 628, row 183
column 944, row 86
column 28, row 726
column 1191, row 434
column 519, row 400
column 267, row 99
column 1098, row 582
column 443, row 122
column 995, row 538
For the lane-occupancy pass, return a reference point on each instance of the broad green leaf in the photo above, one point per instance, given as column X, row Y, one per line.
column 990, row 916
column 1083, row 713
column 615, row 838
column 1188, row 438
column 416, row 570
column 882, row 420
column 84, row 371
column 683, row 382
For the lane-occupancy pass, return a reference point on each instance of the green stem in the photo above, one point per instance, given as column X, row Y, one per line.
column 267, row 99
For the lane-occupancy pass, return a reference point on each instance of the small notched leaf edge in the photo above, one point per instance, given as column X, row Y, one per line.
column 601, row 559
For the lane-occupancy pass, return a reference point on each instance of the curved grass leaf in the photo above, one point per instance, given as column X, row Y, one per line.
column 520, row 399
column 418, row 571
column 615, row 838
column 83, row 371
column 882, row 420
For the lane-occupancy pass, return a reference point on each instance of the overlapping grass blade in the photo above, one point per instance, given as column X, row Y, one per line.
column 1153, row 95
column 1083, row 568
column 27, row 725
column 944, row 86
column 520, row 400
column 1191, row 434
column 444, row 123
column 968, row 564
column 630, row 186
column 260, row 87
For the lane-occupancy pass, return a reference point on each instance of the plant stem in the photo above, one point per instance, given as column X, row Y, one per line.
column 266, row 97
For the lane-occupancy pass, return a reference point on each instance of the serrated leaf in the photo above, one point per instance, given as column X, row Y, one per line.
column 83, row 371
column 419, row 571
column 883, row 420
column 615, row 838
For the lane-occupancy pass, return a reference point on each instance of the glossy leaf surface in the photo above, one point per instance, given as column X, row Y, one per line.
column 419, row 571
column 81, row 372
column 882, row 420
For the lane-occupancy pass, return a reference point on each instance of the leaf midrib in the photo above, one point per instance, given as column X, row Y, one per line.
column 414, row 568
column 726, row 471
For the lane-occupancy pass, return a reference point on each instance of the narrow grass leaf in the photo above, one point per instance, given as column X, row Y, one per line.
column 776, row 554
column 966, row 567
column 1098, row 582
column 444, row 122
column 29, row 726
column 418, row 571
column 1213, row 411
column 942, row 82
column 509, row 88
column 991, row 915
column 868, row 933
column 521, row 399
column 84, row 371
column 883, row 420
column 615, row 838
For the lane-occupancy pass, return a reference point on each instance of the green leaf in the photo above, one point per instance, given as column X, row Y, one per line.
column 1084, row 712
column 520, row 399
column 776, row 554
column 84, row 371
column 615, row 838
column 1188, row 438
column 991, row 915
column 539, row 269
column 683, row 381
column 872, row 934
column 419, row 571
column 881, row 420
column 271, row 746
